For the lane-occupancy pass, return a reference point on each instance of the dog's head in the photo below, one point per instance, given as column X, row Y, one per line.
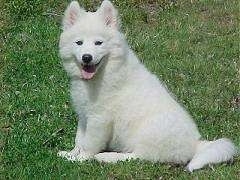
column 88, row 38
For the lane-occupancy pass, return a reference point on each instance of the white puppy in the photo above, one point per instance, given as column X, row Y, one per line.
column 122, row 107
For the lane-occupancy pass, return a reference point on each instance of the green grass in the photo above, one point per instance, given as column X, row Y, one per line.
column 193, row 46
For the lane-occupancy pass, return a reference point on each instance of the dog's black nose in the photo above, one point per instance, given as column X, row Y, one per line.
column 87, row 58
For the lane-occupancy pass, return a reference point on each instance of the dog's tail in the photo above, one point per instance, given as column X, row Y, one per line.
column 210, row 152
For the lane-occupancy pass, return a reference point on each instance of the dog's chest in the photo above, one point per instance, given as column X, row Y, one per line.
column 108, row 104
column 94, row 97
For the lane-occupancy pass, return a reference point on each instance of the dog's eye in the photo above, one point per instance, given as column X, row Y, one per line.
column 98, row 43
column 79, row 43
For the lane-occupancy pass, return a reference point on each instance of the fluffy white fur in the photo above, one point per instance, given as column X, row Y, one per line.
column 124, row 108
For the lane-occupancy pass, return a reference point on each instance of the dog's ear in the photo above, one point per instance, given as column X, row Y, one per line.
column 71, row 15
column 110, row 14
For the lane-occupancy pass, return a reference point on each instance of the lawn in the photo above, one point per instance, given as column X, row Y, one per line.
column 193, row 46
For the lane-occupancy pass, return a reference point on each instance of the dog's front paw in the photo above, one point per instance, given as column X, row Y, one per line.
column 83, row 157
column 74, row 156
column 69, row 155
column 62, row 153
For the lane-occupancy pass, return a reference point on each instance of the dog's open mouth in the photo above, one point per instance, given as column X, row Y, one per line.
column 89, row 70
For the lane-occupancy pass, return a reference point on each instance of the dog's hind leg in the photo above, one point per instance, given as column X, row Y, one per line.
column 113, row 157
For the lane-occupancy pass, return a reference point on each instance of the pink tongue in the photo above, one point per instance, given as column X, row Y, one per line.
column 88, row 71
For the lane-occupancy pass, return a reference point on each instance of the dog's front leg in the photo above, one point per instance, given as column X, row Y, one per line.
column 92, row 142
column 71, row 155
column 95, row 139
column 97, row 135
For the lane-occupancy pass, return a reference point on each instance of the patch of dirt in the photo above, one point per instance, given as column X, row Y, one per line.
column 226, row 21
column 236, row 102
column 173, row 45
column 153, row 7
column 205, row 13
column 150, row 8
column 222, row 19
